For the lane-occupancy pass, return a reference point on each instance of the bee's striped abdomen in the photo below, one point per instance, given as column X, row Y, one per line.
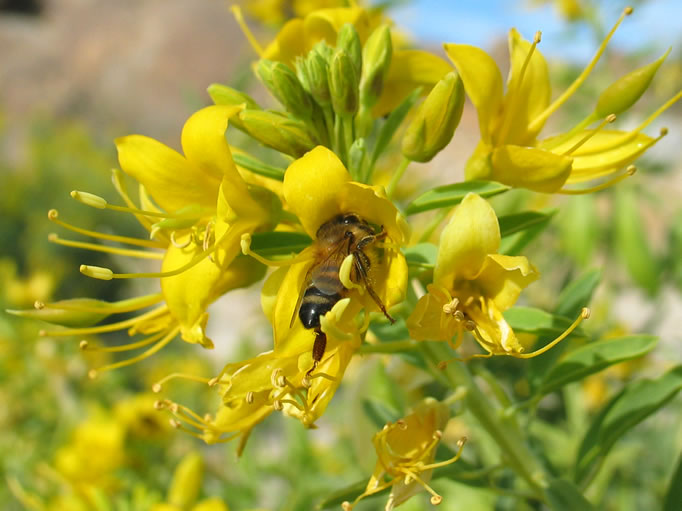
column 316, row 303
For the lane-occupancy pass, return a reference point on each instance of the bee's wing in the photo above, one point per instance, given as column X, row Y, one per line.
column 306, row 282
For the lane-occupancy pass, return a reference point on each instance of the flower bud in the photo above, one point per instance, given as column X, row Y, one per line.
column 284, row 85
column 356, row 157
column 436, row 120
column 343, row 84
column 349, row 41
column 278, row 131
column 313, row 73
column 75, row 312
column 376, row 59
column 186, row 481
column 625, row 91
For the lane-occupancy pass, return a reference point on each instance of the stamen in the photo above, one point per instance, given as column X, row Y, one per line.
column 95, row 201
column 435, row 498
column 54, row 238
column 249, row 397
column 239, row 18
column 119, row 184
column 112, row 327
column 246, row 250
column 53, row 214
column 163, row 342
column 608, row 120
column 584, row 314
column 85, row 345
column 156, row 388
column 179, row 245
column 129, row 305
column 630, row 171
column 460, row 445
column 540, row 119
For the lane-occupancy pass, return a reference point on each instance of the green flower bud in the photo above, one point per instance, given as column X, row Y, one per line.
column 323, row 50
column 75, row 312
column 349, row 41
column 279, row 131
column 356, row 157
column 186, row 482
column 313, row 73
column 285, row 86
column 436, row 120
column 343, row 84
column 376, row 59
column 224, row 95
column 624, row 92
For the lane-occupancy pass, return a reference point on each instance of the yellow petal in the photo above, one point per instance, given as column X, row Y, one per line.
column 211, row 504
column 472, row 233
column 168, row 177
column 604, row 153
column 502, row 278
column 240, row 415
column 288, row 44
column 311, row 187
column 526, row 99
column 409, row 69
column 493, row 332
column 482, row 83
column 529, row 167
column 428, row 322
column 324, row 24
column 205, row 146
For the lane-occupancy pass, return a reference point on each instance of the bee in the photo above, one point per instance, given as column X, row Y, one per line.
column 345, row 234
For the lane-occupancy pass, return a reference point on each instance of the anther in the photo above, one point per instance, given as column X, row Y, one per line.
column 306, row 382
column 438, row 434
column 538, row 37
column 174, row 407
column 52, row 214
column 174, row 424
column 436, row 499
column 83, row 345
column 212, row 382
column 459, row 315
column 159, row 405
column 156, row 388
column 89, row 199
column 585, row 313
column 92, row 374
column 628, row 10
column 610, row 118
column 176, row 244
column 275, row 377
column 470, row 325
column 401, row 424
column 461, row 442
column 208, row 417
column 663, row 132
column 96, row 272
column 277, row 405
column 38, row 305
column 249, row 397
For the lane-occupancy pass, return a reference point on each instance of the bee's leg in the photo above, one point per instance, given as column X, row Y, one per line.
column 319, row 347
column 362, row 264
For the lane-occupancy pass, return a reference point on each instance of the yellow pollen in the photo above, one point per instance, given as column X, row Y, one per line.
column 83, row 345
column 158, row 405
column 38, row 305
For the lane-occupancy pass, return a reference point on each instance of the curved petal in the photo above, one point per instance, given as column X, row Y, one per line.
column 529, row 167
column 311, row 187
column 427, row 321
column 527, row 96
column 409, row 69
column 168, row 177
column 502, row 278
column 288, row 44
column 472, row 233
column 482, row 82
column 205, row 146
column 324, row 24
column 493, row 332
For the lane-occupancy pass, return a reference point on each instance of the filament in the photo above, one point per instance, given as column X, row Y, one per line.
column 540, row 119
column 239, row 18
column 608, row 120
column 584, row 314
column 629, row 172
column 53, row 214
column 246, row 250
column 85, row 346
column 126, row 252
column 173, row 376
column 112, row 327
column 123, row 363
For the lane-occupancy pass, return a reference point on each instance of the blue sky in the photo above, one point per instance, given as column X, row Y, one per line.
column 655, row 23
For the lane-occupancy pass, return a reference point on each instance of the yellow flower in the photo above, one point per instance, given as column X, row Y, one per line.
column 473, row 285
column 509, row 150
column 408, row 69
column 406, row 452
column 196, row 207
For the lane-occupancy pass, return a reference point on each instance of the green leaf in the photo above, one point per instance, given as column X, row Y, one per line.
column 673, row 496
column 258, row 167
column 450, row 195
column 421, row 255
column 594, row 357
column 578, row 294
column 632, row 405
column 510, row 224
column 279, row 243
column 538, row 322
column 562, row 495
column 379, row 412
column 390, row 126
column 632, row 244
column 579, row 228
column 515, row 243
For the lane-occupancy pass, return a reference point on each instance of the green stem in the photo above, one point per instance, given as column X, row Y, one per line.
column 397, row 176
column 347, row 123
column 329, row 122
column 389, row 347
column 502, row 429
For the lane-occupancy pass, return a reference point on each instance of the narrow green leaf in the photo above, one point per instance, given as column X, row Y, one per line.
column 515, row 243
column 379, row 412
column 536, row 321
column 390, row 126
column 258, row 167
column 632, row 244
column 510, row 224
column 450, row 195
column 279, row 243
column 577, row 294
column 594, row 357
column 636, row 402
column 421, row 254
column 673, row 496
column 562, row 495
